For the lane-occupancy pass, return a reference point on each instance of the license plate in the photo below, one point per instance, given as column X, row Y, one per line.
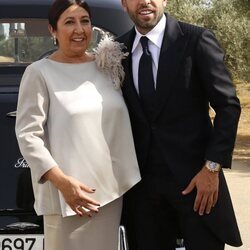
column 21, row 242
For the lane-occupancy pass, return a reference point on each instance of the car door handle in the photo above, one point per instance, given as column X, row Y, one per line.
column 11, row 114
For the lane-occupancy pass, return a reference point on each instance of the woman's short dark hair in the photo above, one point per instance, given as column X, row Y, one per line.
column 59, row 6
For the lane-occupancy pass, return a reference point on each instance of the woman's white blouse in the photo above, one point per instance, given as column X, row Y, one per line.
column 70, row 115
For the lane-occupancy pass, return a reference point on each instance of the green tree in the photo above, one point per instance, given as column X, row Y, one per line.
column 192, row 11
column 230, row 21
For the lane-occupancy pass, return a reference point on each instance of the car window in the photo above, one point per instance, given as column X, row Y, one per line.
column 23, row 41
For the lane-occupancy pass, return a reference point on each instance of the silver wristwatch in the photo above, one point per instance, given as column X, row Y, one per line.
column 213, row 166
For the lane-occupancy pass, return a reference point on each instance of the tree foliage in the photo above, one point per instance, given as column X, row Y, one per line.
column 230, row 21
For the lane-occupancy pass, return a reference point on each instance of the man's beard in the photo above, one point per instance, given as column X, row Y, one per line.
column 144, row 25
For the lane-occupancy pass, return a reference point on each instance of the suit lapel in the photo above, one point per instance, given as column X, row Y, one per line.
column 128, row 88
column 171, row 55
column 172, row 51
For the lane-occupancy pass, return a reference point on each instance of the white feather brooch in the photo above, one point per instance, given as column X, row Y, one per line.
column 108, row 57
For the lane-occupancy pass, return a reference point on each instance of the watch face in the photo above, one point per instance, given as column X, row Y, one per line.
column 213, row 165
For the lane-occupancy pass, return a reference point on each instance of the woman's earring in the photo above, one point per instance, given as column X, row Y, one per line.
column 54, row 40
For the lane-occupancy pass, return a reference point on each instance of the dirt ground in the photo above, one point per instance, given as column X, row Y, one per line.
column 242, row 146
column 238, row 178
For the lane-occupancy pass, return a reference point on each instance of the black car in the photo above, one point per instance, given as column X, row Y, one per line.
column 24, row 38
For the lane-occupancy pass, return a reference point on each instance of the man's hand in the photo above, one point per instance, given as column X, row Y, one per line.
column 207, row 185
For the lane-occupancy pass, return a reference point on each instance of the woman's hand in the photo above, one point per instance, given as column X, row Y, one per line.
column 73, row 191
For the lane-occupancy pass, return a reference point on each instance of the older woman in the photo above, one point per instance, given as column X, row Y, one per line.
column 73, row 129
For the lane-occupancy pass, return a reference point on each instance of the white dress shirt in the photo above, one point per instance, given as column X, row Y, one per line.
column 155, row 37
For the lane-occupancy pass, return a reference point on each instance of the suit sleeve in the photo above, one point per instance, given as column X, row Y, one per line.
column 32, row 110
column 221, row 95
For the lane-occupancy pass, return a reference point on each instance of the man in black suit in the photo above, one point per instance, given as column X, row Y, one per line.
column 179, row 149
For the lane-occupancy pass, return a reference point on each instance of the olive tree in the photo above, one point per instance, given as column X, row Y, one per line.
column 230, row 21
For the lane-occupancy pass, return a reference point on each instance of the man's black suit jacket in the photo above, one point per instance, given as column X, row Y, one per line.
column 191, row 77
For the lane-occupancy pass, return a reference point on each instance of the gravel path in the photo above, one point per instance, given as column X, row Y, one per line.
column 238, row 180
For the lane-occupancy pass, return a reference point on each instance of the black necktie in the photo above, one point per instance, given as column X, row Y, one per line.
column 146, row 78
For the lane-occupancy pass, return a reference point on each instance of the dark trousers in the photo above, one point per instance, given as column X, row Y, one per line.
column 156, row 214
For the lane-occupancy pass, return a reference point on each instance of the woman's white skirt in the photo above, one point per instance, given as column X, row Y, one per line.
column 99, row 232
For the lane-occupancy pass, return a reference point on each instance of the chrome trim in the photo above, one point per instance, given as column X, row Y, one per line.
column 11, row 114
column 123, row 243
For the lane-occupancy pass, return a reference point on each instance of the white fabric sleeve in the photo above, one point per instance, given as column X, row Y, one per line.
column 31, row 129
